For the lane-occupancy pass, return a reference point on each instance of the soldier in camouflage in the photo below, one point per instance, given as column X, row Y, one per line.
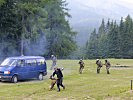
column 108, row 65
column 54, row 61
column 81, row 63
column 99, row 65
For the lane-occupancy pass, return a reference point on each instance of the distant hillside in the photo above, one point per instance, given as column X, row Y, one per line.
column 87, row 14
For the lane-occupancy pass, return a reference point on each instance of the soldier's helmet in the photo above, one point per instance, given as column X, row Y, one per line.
column 97, row 60
column 106, row 60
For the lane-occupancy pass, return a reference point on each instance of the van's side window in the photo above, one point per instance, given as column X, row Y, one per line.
column 21, row 63
column 31, row 62
column 40, row 61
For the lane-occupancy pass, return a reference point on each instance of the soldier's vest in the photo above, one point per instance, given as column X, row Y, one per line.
column 99, row 63
column 81, row 63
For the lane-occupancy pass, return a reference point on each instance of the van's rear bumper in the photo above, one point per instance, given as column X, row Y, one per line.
column 5, row 78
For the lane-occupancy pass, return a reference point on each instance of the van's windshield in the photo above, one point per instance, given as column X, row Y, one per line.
column 9, row 62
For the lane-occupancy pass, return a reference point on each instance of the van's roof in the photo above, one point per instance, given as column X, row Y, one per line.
column 26, row 57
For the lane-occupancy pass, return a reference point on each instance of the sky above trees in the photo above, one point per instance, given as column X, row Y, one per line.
column 108, row 3
column 105, row 8
column 88, row 14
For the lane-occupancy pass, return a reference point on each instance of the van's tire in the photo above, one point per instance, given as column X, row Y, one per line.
column 14, row 79
column 40, row 76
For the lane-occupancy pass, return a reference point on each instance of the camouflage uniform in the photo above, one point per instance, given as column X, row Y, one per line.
column 108, row 65
column 81, row 66
column 99, row 65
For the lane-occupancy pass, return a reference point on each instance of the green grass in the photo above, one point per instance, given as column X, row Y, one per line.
column 88, row 85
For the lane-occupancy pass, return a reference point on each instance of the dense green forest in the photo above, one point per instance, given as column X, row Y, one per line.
column 35, row 27
column 112, row 40
column 41, row 27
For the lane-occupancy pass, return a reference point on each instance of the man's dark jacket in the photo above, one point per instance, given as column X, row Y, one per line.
column 58, row 73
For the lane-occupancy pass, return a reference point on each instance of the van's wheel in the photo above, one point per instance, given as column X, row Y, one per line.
column 14, row 79
column 40, row 77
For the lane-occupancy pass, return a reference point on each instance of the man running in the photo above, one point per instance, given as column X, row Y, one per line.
column 99, row 65
column 81, row 63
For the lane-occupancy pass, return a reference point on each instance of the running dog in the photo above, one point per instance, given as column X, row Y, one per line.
column 53, row 82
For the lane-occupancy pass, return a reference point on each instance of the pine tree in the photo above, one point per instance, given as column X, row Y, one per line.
column 2, row 2
column 114, row 41
column 102, row 40
column 9, row 29
column 92, row 46
column 32, row 16
column 127, row 46
column 121, row 33
column 20, row 17
column 59, row 34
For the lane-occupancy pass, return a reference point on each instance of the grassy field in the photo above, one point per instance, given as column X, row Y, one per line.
column 86, row 86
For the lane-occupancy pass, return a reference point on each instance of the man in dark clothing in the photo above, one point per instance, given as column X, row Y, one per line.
column 99, row 65
column 59, row 74
column 81, row 63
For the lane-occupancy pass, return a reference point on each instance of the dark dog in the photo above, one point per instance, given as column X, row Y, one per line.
column 53, row 82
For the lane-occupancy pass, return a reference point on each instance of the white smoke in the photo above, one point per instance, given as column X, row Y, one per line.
column 37, row 47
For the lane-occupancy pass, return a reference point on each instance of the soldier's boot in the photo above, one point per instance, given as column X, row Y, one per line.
column 63, row 87
column 80, row 71
column 58, row 89
column 98, row 71
column 108, row 72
